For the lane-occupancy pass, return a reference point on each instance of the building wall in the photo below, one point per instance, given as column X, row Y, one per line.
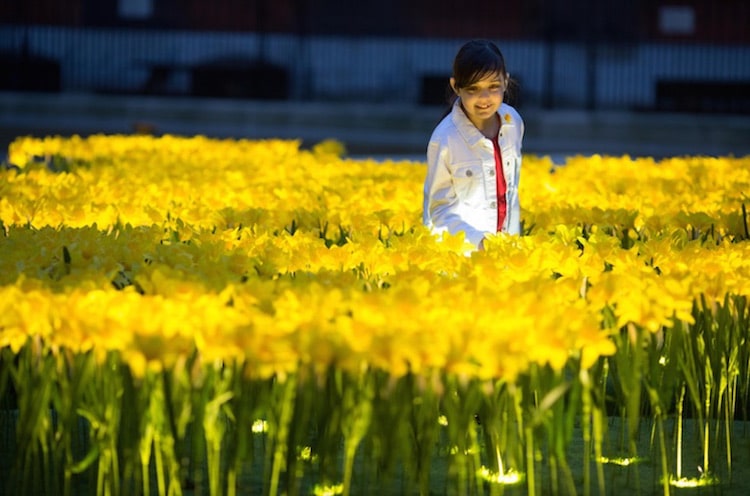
column 559, row 74
column 705, row 21
column 563, row 53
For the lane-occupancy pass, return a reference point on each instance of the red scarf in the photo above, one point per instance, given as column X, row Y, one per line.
column 502, row 207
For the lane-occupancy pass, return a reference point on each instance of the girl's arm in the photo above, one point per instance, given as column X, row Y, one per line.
column 440, row 199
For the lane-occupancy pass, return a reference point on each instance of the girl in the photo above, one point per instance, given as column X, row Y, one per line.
column 474, row 154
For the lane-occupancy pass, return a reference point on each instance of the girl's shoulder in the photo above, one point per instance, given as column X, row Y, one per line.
column 510, row 117
column 509, row 114
column 444, row 129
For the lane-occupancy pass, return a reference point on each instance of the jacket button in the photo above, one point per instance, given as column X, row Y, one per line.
column 492, row 172
column 493, row 205
column 469, row 173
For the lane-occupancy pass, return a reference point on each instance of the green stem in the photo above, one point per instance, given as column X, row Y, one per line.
column 530, row 482
column 282, row 429
column 706, row 429
column 115, row 467
column 728, row 425
column 663, row 451
column 100, row 474
column 232, row 481
column 350, row 450
column 475, row 459
column 679, row 431
column 633, row 467
column 213, row 461
column 598, row 440
column 554, row 470
column 586, row 429
column 145, row 475
column 160, row 484
column 48, row 469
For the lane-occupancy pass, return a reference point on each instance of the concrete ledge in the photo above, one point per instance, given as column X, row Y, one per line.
column 381, row 129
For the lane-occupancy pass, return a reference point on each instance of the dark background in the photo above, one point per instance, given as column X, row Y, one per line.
column 710, row 53
column 717, row 21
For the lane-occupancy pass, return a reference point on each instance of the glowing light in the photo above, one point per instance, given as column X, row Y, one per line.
column 305, row 454
column 622, row 461
column 702, row 481
column 508, row 478
column 331, row 490
column 454, row 450
column 260, row 426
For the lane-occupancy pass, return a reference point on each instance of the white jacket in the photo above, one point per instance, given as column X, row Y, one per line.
column 460, row 190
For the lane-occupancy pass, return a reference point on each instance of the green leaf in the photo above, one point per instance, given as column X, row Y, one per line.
column 86, row 462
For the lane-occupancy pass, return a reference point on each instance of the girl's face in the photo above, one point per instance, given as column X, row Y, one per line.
column 482, row 98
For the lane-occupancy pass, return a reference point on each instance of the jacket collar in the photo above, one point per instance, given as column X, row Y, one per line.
column 469, row 131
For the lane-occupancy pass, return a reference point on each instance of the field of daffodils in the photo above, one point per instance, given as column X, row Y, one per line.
column 200, row 316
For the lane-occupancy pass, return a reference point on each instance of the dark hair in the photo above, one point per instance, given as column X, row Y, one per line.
column 476, row 60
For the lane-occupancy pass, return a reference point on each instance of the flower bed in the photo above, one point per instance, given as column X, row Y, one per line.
column 228, row 317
